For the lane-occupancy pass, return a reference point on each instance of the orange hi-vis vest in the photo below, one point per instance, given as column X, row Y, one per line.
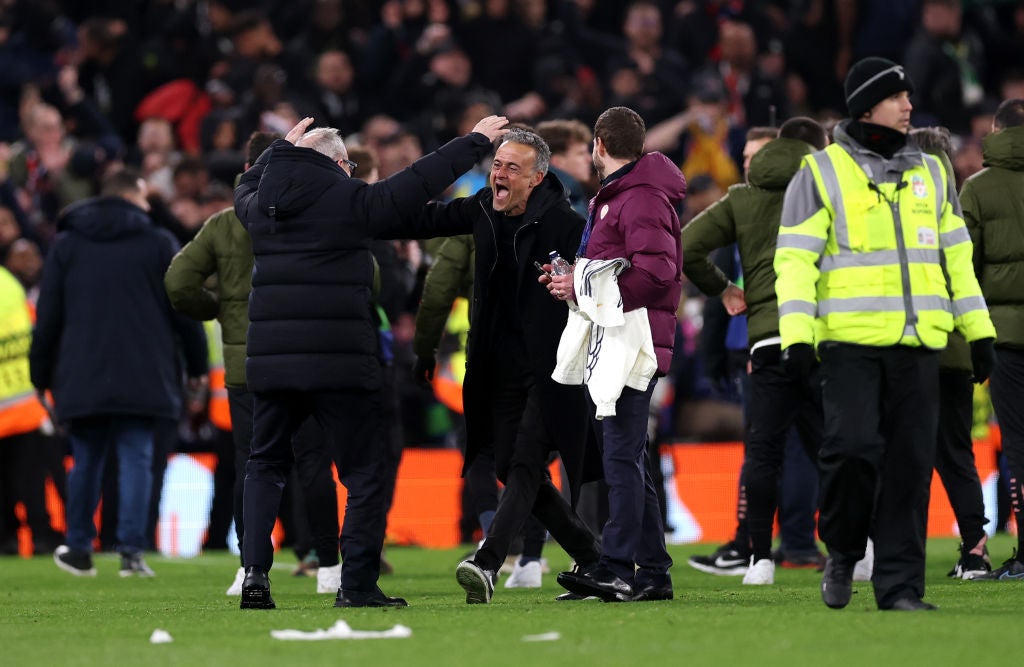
column 220, row 413
column 20, row 410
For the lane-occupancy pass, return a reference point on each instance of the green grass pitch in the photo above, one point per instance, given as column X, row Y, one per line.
column 50, row 618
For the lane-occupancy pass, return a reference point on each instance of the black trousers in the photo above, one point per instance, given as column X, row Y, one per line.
column 1007, row 385
column 881, row 418
column 312, row 457
column 352, row 425
column 521, row 448
column 954, row 454
column 777, row 403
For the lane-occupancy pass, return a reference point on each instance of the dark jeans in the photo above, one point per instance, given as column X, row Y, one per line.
column 312, row 457
column 881, row 418
column 634, row 535
column 954, row 455
column 777, row 403
column 352, row 422
column 91, row 439
column 1007, row 385
column 521, row 449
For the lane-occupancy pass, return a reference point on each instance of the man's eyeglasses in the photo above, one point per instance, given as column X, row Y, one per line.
column 350, row 164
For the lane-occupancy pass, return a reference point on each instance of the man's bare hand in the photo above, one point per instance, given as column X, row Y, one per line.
column 734, row 300
column 296, row 132
column 492, row 127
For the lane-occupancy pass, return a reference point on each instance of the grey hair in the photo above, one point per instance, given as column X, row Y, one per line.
column 325, row 140
column 527, row 138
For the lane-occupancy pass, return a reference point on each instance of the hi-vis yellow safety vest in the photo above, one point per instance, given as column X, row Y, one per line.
column 220, row 413
column 20, row 410
column 871, row 266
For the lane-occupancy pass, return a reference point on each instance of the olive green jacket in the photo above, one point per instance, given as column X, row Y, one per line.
column 993, row 203
column 222, row 248
column 747, row 215
column 450, row 276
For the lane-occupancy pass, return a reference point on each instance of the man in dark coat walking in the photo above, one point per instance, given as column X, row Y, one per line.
column 313, row 346
column 511, row 402
column 105, row 344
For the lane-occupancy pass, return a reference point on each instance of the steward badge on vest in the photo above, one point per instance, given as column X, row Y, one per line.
column 918, row 187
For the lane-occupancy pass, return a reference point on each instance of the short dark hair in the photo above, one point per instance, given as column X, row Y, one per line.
column 1009, row 114
column 121, row 183
column 622, row 131
column 365, row 157
column 258, row 142
column 562, row 133
column 759, row 132
column 933, row 139
column 806, row 130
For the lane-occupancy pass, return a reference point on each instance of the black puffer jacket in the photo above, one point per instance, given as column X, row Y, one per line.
column 311, row 225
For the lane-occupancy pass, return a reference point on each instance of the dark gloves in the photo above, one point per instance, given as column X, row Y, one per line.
column 423, row 370
column 983, row 358
column 798, row 359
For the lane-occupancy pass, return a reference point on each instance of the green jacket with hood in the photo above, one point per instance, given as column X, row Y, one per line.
column 747, row 215
column 993, row 204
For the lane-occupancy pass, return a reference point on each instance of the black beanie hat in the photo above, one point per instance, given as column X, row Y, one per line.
column 870, row 81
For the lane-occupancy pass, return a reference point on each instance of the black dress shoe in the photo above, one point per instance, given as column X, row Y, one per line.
column 256, row 590
column 912, row 604
column 651, row 586
column 837, row 583
column 374, row 598
column 599, row 582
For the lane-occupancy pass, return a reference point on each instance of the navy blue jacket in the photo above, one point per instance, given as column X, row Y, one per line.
column 106, row 338
column 311, row 325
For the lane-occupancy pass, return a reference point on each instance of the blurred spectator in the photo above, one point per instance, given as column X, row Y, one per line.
column 755, row 97
column 569, row 141
column 946, row 61
column 339, row 104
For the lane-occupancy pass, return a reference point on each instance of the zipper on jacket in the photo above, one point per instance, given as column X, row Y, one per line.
column 901, row 250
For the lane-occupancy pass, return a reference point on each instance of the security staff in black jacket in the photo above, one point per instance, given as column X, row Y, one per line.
column 312, row 346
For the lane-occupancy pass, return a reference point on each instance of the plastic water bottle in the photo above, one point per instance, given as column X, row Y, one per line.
column 559, row 266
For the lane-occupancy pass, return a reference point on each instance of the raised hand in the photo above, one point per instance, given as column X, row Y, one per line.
column 492, row 127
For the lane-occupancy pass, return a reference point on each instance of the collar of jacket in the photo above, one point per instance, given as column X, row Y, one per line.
column 873, row 164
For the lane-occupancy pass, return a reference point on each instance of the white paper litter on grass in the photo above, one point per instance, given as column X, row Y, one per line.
column 341, row 630
column 160, row 637
column 543, row 637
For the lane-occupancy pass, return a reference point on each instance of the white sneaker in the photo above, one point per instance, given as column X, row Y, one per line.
column 761, row 573
column 328, row 579
column 236, row 585
column 525, row 576
column 862, row 570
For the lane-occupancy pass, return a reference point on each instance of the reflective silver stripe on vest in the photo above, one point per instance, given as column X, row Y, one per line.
column 968, row 304
column 958, row 235
column 878, row 258
column 802, row 242
column 797, row 307
column 932, row 163
column 890, row 304
column 835, row 196
column 14, row 400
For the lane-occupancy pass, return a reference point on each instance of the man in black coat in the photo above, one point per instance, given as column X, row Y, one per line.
column 312, row 346
column 511, row 402
column 105, row 343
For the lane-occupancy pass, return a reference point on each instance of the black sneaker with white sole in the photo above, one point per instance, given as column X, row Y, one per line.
column 1011, row 570
column 728, row 561
column 134, row 565
column 970, row 566
column 476, row 581
column 78, row 563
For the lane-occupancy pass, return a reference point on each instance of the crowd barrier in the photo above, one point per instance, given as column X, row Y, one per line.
column 700, row 483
